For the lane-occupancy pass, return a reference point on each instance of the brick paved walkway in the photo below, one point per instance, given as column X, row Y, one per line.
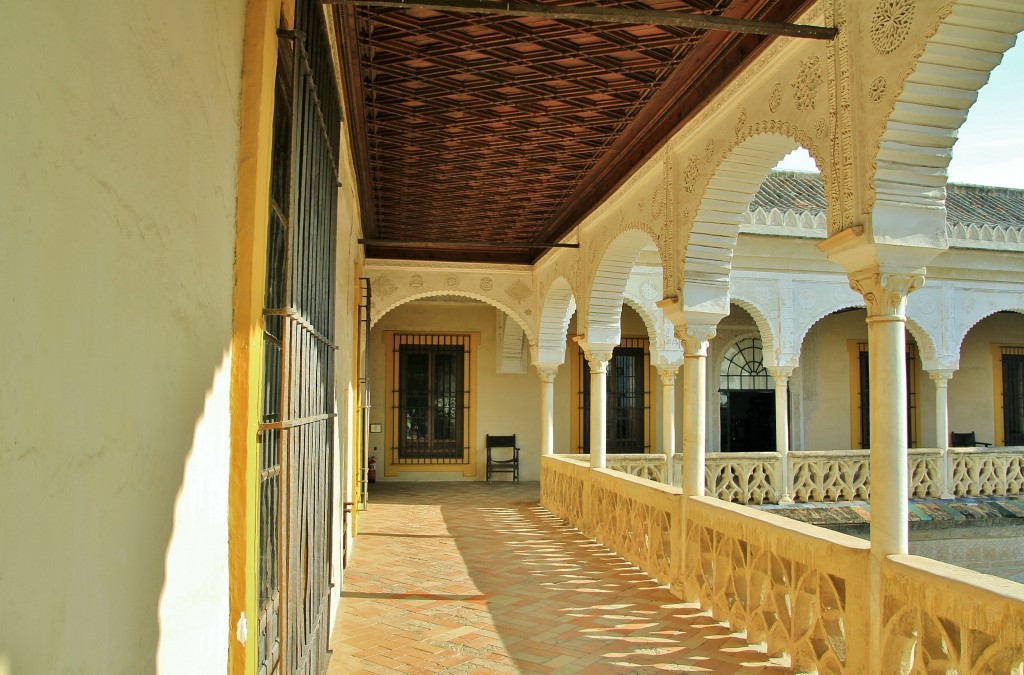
column 477, row 578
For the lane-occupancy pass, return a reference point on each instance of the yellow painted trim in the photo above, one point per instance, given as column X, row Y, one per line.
column 914, row 385
column 997, row 389
column 997, row 393
column 853, row 349
column 575, row 438
column 467, row 468
column 259, row 65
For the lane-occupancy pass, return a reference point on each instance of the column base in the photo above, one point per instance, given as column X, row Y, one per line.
column 785, row 499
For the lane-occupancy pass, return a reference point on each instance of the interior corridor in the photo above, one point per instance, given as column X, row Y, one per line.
column 478, row 578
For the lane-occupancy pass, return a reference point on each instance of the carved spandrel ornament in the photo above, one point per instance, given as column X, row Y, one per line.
column 885, row 293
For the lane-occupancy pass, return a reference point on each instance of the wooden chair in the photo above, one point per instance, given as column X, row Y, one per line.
column 965, row 440
column 502, row 444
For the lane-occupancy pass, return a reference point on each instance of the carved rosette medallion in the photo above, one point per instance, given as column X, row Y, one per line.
column 518, row 291
column 416, row 281
column 452, row 281
column 486, row 284
column 383, row 285
column 821, row 128
column 807, row 83
column 890, row 24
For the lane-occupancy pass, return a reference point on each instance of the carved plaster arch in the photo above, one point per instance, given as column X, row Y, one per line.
column 556, row 313
column 662, row 342
column 709, row 246
column 527, row 328
column 769, row 342
column 925, row 343
column 609, row 284
column 810, row 323
column 937, row 91
column 1010, row 307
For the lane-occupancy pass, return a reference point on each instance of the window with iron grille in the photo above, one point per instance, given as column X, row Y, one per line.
column 1013, row 395
column 864, row 395
column 628, row 397
column 431, row 399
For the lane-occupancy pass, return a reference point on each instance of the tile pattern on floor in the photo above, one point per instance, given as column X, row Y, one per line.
column 478, row 578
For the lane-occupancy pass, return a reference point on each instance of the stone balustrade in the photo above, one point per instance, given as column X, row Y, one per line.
column 799, row 589
column 802, row 591
column 938, row 617
column 982, row 472
column 824, row 476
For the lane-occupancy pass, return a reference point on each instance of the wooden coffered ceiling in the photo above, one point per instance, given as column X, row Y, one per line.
column 484, row 137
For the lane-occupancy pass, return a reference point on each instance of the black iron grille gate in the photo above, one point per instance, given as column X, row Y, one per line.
column 298, row 410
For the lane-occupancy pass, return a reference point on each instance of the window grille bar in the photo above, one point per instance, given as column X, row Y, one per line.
column 297, row 425
column 628, row 396
column 1013, row 395
column 430, row 399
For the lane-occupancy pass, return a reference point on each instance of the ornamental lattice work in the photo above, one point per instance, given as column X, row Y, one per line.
column 792, row 607
column 890, row 24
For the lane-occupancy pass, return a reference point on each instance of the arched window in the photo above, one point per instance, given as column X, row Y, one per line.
column 743, row 368
column 747, row 399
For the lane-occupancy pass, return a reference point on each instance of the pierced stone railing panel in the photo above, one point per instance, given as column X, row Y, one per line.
column 985, row 472
column 797, row 588
column 830, row 476
column 942, row 618
column 924, row 473
column 562, row 483
column 637, row 519
column 743, row 477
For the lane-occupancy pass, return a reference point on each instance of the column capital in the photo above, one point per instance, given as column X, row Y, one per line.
column 547, row 371
column 695, row 338
column 598, row 353
column 780, row 373
column 667, row 372
column 885, row 291
column 941, row 376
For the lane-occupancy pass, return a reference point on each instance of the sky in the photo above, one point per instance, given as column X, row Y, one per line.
column 990, row 147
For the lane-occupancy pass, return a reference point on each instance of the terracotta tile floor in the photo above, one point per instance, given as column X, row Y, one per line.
column 478, row 578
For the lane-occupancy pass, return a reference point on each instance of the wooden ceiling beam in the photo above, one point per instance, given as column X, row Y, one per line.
column 623, row 15
column 389, row 243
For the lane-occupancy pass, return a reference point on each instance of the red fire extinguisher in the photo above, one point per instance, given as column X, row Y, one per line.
column 371, row 471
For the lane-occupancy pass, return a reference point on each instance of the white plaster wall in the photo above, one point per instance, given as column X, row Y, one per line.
column 507, row 403
column 826, row 411
column 119, row 134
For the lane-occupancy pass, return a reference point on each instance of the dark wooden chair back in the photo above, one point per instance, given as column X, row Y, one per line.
column 965, row 440
column 502, row 462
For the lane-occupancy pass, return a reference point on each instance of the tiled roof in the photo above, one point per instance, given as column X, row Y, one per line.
column 965, row 204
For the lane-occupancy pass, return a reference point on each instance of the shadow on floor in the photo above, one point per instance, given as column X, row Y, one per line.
column 476, row 577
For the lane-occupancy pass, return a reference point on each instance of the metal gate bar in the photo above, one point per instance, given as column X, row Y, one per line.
column 297, row 431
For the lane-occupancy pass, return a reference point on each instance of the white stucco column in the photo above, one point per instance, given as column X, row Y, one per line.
column 547, row 372
column 781, row 377
column 695, row 362
column 885, row 294
column 941, row 379
column 667, row 373
column 598, row 355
